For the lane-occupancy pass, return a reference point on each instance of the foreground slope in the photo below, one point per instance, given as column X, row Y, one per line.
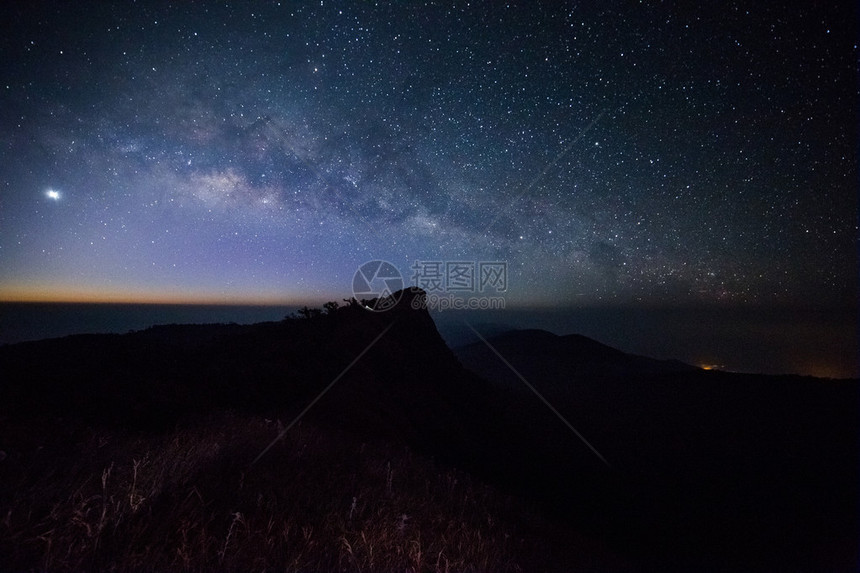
column 725, row 471
column 708, row 471
column 138, row 451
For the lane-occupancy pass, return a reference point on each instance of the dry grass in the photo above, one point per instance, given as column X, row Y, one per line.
column 191, row 501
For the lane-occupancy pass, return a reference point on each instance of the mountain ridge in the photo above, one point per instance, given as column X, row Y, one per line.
column 703, row 465
column 578, row 355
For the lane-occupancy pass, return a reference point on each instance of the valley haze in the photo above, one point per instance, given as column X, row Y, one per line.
column 819, row 342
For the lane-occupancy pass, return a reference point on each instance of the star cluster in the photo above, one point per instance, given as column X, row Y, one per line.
column 610, row 153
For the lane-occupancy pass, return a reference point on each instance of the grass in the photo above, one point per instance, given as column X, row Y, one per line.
column 190, row 500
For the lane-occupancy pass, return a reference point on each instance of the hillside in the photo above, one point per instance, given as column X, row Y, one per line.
column 736, row 471
column 149, row 449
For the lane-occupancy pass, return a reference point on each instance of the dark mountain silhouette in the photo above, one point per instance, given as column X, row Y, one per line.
column 457, row 333
column 572, row 355
column 736, row 467
column 708, row 470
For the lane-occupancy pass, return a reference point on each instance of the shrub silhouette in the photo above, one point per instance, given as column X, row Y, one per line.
column 330, row 307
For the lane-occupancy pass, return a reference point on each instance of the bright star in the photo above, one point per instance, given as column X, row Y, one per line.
column 55, row 195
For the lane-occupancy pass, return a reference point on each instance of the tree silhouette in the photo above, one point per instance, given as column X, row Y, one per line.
column 330, row 307
column 309, row 313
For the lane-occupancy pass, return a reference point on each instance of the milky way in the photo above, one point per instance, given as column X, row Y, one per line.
column 616, row 153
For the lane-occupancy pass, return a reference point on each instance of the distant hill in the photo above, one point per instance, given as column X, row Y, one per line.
column 770, row 460
column 572, row 354
column 707, row 470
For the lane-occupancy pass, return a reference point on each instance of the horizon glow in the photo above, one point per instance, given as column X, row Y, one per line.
column 257, row 153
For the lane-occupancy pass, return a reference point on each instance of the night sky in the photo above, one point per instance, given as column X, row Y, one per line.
column 609, row 152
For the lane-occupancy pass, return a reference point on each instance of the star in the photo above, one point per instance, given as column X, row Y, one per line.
column 551, row 156
column 590, row 155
